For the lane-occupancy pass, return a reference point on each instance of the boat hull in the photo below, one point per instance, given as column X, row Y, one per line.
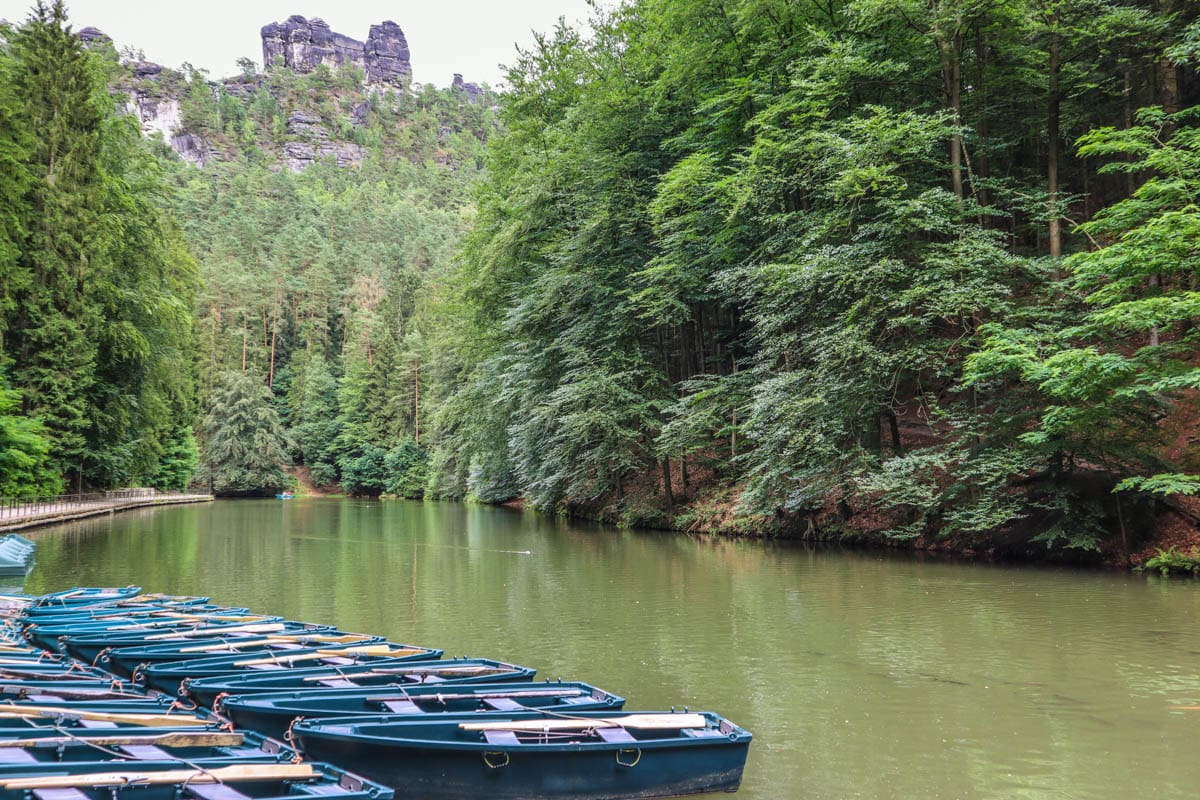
column 273, row 714
column 444, row 771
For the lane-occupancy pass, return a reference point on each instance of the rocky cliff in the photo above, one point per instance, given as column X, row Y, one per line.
column 302, row 44
column 295, row 114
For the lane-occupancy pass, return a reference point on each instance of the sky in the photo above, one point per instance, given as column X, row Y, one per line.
column 472, row 37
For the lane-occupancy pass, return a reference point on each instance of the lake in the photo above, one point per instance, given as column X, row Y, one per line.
column 860, row 674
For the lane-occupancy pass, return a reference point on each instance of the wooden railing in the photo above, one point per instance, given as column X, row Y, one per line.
column 17, row 508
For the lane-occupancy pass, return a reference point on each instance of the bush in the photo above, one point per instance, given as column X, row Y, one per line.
column 1172, row 560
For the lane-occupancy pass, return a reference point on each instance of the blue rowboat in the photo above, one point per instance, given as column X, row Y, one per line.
column 88, row 714
column 58, row 637
column 170, row 675
column 591, row 755
column 50, row 635
column 141, row 602
column 96, row 689
column 178, row 780
column 20, row 748
column 88, row 647
column 272, row 714
column 126, row 659
column 86, row 596
column 113, row 615
column 454, row 671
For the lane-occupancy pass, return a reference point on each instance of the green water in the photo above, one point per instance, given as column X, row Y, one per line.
column 860, row 675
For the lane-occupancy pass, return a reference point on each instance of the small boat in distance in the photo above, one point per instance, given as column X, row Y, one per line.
column 289, row 495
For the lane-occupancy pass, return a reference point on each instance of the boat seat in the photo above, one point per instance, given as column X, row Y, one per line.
column 337, row 660
column 402, row 706
column 501, row 737
column 432, row 679
column 267, row 666
column 502, row 704
column 44, row 698
column 338, row 683
column 96, row 723
column 575, row 701
column 213, row 791
column 323, row 788
column 145, row 752
column 615, row 735
column 15, row 755
column 702, row 733
column 59, row 794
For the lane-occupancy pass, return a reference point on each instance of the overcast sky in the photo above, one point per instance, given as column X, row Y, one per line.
column 468, row 36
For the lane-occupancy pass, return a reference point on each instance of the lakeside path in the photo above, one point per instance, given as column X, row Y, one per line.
column 20, row 517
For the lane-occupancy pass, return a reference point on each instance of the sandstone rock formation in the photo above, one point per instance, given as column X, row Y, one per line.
column 471, row 90
column 301, row 44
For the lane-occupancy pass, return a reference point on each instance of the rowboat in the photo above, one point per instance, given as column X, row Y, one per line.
column 273, row 713
column 137, row 602
column 22, row 748
column 86, row 714
column 110, row 615
column 88, row 647
column 591, row 755
column 173, row 780
column 383, row 673
column 70, row 689
column 53, row 636
column 126, row 659
column 169, row 676
column 86, row 596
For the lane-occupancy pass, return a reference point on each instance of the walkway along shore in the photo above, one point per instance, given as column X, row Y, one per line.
column 48, row 511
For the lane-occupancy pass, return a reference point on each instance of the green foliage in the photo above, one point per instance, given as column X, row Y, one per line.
column 802, row 249
column 179, row 462
column 243, row 442
column 1173, row 560
column 26, row 469
column 96, row 286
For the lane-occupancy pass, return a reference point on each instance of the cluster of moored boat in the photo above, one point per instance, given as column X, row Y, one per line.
column 104, row 691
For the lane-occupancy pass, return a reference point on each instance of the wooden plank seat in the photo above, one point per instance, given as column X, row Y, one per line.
column 213, row 791
column 145, row 752
column 615, row 735
column 337, row 660
column 502, row 704
column 338, row 683
column 402, row 706
column 59, row 794
column 15, row 755
column 96, row 723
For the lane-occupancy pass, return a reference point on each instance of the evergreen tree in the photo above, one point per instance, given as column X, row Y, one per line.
column 244, row 442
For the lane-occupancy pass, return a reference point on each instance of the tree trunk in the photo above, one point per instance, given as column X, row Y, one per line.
column 666, row 474
column 417, row 401
column 981, row 130
column 1052, row 126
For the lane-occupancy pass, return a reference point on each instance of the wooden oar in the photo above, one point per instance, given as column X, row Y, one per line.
column 1183, row 708
column 645, row 722
column 72, row 694
column 177, row 739
column 216, row 630
column 174, row 619
column 236, row 772
column 383, row 673
column 475, row 695
column 234, row 645
column 365, row 650
column 13, row 711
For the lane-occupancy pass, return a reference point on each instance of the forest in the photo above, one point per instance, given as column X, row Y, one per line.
column 904, row 271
